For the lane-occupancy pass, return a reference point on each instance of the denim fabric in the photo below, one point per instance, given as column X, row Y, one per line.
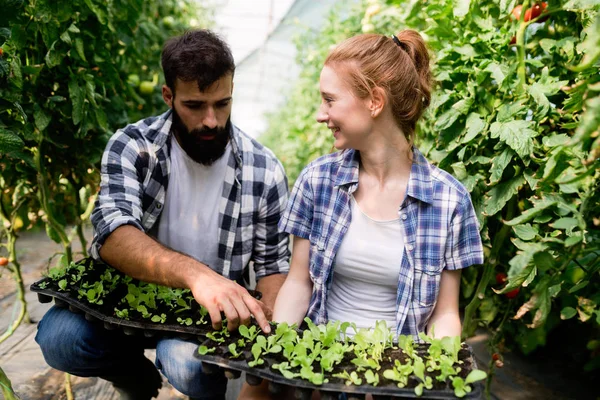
column 72, row 344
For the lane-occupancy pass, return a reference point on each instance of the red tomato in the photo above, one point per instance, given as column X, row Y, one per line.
column 533, row 12
column 3, row 261
column 513, row 40
column 512, row 294
column 516, row 12
column 501, row 277
column 495, row 356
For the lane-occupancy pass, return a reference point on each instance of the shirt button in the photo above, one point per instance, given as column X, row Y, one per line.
column 159, row 206
column 404, row 216
column 410, row 247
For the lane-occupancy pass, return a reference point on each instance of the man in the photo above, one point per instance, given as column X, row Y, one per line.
column 186, row 200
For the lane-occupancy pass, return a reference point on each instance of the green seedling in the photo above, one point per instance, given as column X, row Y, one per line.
column 233, row 350
column 286, row 370
column 399, row 373
column 419, row 371
column 162, row 318
column 406, row 343
column 93, row 293
column 333, row 355
column 203, row 313
column 124, row 314
column 203, row 350
column 350, row 378
column 249, row 333
column 188, row 321
column 461, row 387
column 451, row 346
column 372, row 378
column 364, row 361
column 256, row 351
column 219, row 336
column 313, row 377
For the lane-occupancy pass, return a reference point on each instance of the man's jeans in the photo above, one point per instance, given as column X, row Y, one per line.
column 72, row 344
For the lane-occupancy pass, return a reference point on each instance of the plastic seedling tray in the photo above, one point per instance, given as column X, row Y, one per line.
column 221, row 358
column 47, row 290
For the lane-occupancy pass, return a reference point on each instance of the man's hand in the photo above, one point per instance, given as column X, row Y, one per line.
column 217, row 293
column 134, row 253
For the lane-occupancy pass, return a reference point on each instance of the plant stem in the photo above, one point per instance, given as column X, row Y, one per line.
column 7, row 390
column 68, row 388
column 18, row 277
column 521, row 47
column 492, row 346
column 469, row 323
column 79, row 222
column 43, row 194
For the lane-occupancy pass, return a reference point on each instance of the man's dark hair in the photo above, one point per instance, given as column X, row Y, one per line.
column 197, row 55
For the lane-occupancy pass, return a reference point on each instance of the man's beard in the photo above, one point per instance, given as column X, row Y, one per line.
column 203, row 151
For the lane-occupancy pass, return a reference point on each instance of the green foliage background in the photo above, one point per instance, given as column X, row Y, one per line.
column 70, row 75
column 517, row 124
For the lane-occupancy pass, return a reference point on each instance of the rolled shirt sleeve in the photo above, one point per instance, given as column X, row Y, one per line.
column 298, row 216
column 119, row 201
column 463, row 247
column 271, row 249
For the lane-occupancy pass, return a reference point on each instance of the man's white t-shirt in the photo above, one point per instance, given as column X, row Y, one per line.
column 189, row 222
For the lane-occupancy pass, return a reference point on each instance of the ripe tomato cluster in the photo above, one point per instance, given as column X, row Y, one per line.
column 501, row 278
column 531, row 13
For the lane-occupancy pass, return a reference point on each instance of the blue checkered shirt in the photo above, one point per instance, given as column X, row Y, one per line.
column 437, row 218
column 134, row 180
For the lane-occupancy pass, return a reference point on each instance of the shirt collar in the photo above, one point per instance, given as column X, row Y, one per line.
column 419, row 183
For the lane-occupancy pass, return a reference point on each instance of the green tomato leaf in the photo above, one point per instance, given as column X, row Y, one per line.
column 568, row 313
column 516, row 134
column 532, row 212
column 498, row 71
column 474, row 126
column 461, row 8
column 499, row 163
column 41, row 118
column 501, row 194
column 525, row 231
column 10, row 142
column 77, row 96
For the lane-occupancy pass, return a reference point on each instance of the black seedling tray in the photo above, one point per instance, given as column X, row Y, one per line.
column 104, row 313
column 330, row 391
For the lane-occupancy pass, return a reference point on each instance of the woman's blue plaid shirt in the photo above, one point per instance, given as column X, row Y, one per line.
column 437, row 218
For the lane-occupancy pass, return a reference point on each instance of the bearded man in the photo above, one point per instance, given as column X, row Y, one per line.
column 187, row 200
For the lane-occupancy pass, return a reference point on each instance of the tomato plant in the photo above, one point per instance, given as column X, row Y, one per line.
column 63, row 91
column 517, row 124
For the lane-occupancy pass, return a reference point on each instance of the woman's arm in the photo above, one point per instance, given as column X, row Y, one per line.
column 293, row 298
column 445, row 319
column 291, row 306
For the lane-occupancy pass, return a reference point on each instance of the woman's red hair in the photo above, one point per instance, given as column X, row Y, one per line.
column 402, row 70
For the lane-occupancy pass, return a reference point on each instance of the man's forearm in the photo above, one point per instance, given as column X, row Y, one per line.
column 269, row 287
column 136, row 254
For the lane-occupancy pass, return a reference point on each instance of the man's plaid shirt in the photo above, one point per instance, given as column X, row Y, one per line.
column 134, row 181
column 437, row 219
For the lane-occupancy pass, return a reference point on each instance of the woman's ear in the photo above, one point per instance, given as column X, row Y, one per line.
column 377, row 102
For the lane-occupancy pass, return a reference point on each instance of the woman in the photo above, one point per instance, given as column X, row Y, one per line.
column 379, row 233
